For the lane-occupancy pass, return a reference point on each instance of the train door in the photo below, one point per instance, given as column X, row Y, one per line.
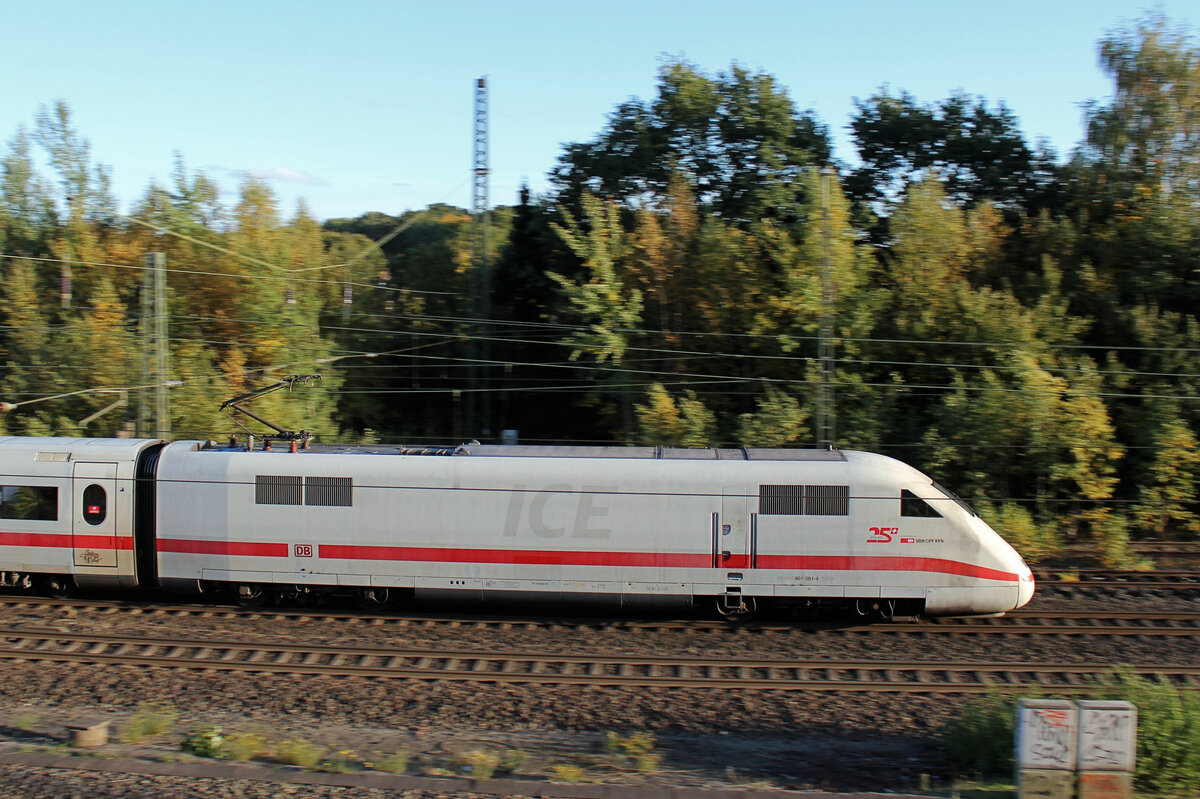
column 94, row 515
column 731, row 549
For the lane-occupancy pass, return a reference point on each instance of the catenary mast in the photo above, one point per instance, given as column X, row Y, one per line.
column 478, row 397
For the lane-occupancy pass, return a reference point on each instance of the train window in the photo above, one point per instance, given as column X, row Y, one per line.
column 827, row 500
column 31, row 503
column 913, row 506
column 781, row 500
column 329, row 491
column 95, row 504
column 962, row 503
column 271, row 489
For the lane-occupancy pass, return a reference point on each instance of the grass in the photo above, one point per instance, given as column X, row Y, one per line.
column 342, row 762
column 511, row 761
column 394, row 763
column 636, row 751
column 24, row 721
column 299, row 752
column 244, row 746
column 150, row 720
column 481, row 763
column 567, row 772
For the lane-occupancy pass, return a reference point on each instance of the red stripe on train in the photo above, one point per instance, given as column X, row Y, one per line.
column 194, row 547
column 651, row 559
column 534, row 557
column 517, row 556
column 881, row 563
column 65, row 541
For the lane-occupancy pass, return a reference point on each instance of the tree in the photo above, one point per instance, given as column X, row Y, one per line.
column 1137, row 176
column 85, row 197
column 976, row 152
column 29, row 360
column 736, row 137
column 521, row 288
column 667, row 421
column 604, row 302
column 27, row 214
column 779, row 420
column 1149, row 136
column 1170, row 493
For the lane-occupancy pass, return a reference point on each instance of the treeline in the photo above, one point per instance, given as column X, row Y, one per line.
column 1020, row 325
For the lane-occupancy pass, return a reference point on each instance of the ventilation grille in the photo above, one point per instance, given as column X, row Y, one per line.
column 277, row 490
column 272, row 489
column 789, row 500
column 827, row 500
column 781, row 500
column 333, row 491
column 52, row 457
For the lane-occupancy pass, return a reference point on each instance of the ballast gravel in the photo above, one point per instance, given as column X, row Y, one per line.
column 707, row 738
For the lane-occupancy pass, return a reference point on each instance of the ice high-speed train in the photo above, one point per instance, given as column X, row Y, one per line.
column 736, row 529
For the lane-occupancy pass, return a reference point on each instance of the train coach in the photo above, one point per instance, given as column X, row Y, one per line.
column 735, row 529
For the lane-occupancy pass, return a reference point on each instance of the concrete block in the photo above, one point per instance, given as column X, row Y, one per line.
column 88, row 732
column 1107, row 735
column 1105, row 785
column 1045, row 784
column 1047, row 733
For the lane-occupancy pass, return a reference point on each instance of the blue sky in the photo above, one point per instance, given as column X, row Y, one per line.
column 368, row 106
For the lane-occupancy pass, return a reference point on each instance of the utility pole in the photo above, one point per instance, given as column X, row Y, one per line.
column 156, row 370
column 479, row 400
column 145, row 330
column 826, row 411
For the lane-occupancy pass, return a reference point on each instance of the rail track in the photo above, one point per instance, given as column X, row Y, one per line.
column 1161, row 579
column 438, row 663
column 1172, row 624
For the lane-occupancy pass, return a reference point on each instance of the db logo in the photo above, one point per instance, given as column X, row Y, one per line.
column 883, row 535
column 304, row 550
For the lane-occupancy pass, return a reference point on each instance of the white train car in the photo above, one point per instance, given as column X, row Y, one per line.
column 647, row 526
column 67, row 510
column 650, row 526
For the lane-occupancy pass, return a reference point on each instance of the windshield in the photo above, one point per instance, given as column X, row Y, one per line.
column 962, row 503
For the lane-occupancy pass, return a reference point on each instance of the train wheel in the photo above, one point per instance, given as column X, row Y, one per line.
column 376, row 598
column 250, row 595
column 745, row 608
column 60, row 587
column 882, row 609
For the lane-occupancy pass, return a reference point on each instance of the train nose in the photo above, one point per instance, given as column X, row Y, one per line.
column 1025, row 586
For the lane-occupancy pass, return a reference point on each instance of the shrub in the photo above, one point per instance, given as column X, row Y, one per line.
column 1035, row 542
column 566, row 772
column 981, row 736
column 395, row 763
column 151, row 720
column 243, row 746
column 340, row 763
column 204, row 742
column 481, row 762
column 1168, row 738
column 299, row 752
column 511, row 760
column 637, row 751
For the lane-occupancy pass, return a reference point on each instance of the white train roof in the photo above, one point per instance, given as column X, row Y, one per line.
column 546, row 451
